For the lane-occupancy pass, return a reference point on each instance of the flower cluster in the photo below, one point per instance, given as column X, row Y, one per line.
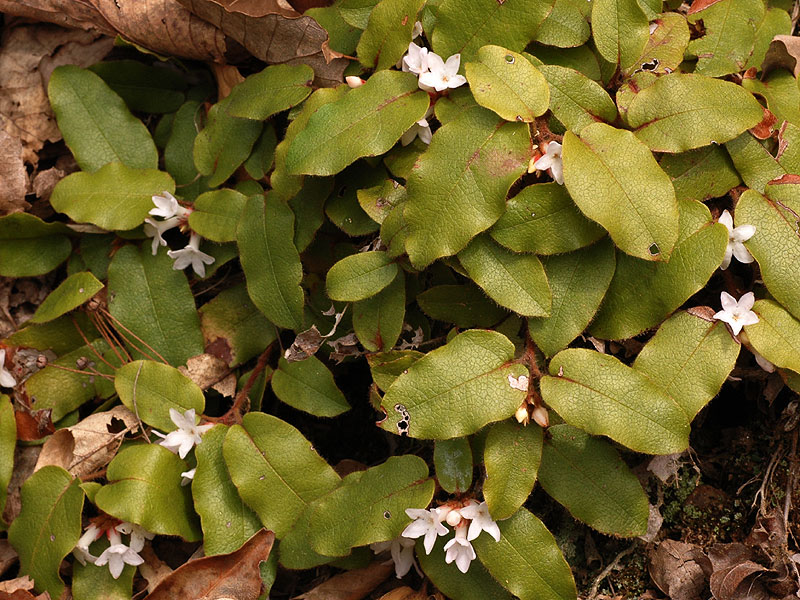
column 117, row 555
column 175, row 215
column 184, row 438
column 468, row 521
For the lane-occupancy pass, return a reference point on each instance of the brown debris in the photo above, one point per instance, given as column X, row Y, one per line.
column 679, row 570
column 351, row 585
column 13, row 177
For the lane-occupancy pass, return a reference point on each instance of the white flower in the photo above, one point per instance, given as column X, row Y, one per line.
column 442, row 75
column 186, row 436
column 402, row 550
column 138, row 534
column 421, row 129
column 167, row 206
column 480, row 520
column 737, row 314
column 188, row 476
column 6, row 378
column 427, row 523
column 551, row 161
column 117, row 555
column 155, row 229
column 459, row 550
column 736, row 236
column 354, row 81
column 81, row 550
column 416, row 61
column 191, row 255
column 417, row 30
column 518, row 383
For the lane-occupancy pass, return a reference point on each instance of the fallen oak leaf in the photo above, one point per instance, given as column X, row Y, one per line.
column 234, row 576
column 351, row 585
column 783, row 53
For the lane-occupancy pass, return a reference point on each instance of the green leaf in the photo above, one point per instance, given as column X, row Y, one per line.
column 666, row 45
column 511, row 455
column 588, row 476
column 224, row 144
column 753, row 161
column 378, row 321
column 31, row 247
column 475, row 584
column 776, row 336
column 683, row 111
column 516, row 281
column 599, row 394
column 379, row 200
column 379, row 496
column 776, row 22
column 150, row 389
column 452, row 460
column 620, row 30
column 270, row 261
column 263, row 155
column 729, row 27
column 614, row 180
column 295, row 547
column 779, row 89
column 700, row 174
column 576, row 100
column 8, row 441
column 96, row 124
column 689, row 358
column 527, row 560
column 273, row 90
column 343, row 208
column 388, row 366
column 226, row 521
column 360, row 276
column 464, row 26
column 366, row 121
column 60, row 336
column 567, row 25
column 145, row 88
column 508, row 84
column 581, row 59
column 233, row 328
column 775, row 228
column 463, row 305
column 307, row 206
column 579, row 281
column 285, row 184
column 144, row 487
column 356, row 12
column 388, row 33
column 308, row 385
column 154, row 304
column 275, row 469
column 115, row 197
column 342, row 37
column 90, row 582
column 61, row 390
column 216, row 214
column 48, row 527
column 71, row 293
column 456, row 389
column 178, row 159
column 459, row 186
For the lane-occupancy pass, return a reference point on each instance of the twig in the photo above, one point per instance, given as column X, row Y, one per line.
column 138, row 339
column 607, row 571
column 787, row 502
column 241, row 402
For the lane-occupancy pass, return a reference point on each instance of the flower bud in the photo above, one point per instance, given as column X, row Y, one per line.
column 453, row 518
column 521, row 415
column 354, row 81
column 540, row 416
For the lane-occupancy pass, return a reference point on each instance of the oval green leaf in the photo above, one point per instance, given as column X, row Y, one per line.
column 452, row 460
column 378, row 321
column 273, row 90
column 216, row 214
column 776, row 336
column 31, row 247
column 308, row 385
column 71, row 293
column 620, row 30
column 360, row 276
column 576, row 100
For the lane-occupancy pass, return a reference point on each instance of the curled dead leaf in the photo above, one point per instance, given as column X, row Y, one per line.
column 765, row 127
column 405, row 593
column 351, row 585
column 153, row 569
column 679, row 570
column 205, row 370
column 13, row 585
column 90, row 444
column 24, row 462
column 783, row 53
column 234, row 575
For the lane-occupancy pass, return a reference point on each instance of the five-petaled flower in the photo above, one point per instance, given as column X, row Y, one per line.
column 551, row 161
column 6, row 378
column 736, row 236
column 416, row 61
column 186, row 436
column 480, row 520
column 442, row 75
column 117, row 555
column 402, row 550
column 427, row 523
column 737, row 314
column 138, row 534
column 459, row 549
column 191, row 255
column 167, row 206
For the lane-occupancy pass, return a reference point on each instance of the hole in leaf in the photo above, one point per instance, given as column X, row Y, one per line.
column 654, row 250
column 387, row 515
column 509, row 59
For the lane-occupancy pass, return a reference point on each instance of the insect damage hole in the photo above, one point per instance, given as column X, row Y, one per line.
column 654, row 250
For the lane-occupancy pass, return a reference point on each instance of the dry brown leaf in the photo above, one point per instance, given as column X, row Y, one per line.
column 24, row 462
column 783, row 52
column 8, row 556
column 205, row 370
column 90, row 444
column 227, row 77
column 738, row 583
column 153, row 569
column 233, row 576
column 28, row 55
column 679, row 570
column 33, row 424
column 13, row 176
column 20, row 583
column 26, row 595
column 45, row 181
column 351, row 585
column 226, row 387
column 405, row 593
column 274, row 32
